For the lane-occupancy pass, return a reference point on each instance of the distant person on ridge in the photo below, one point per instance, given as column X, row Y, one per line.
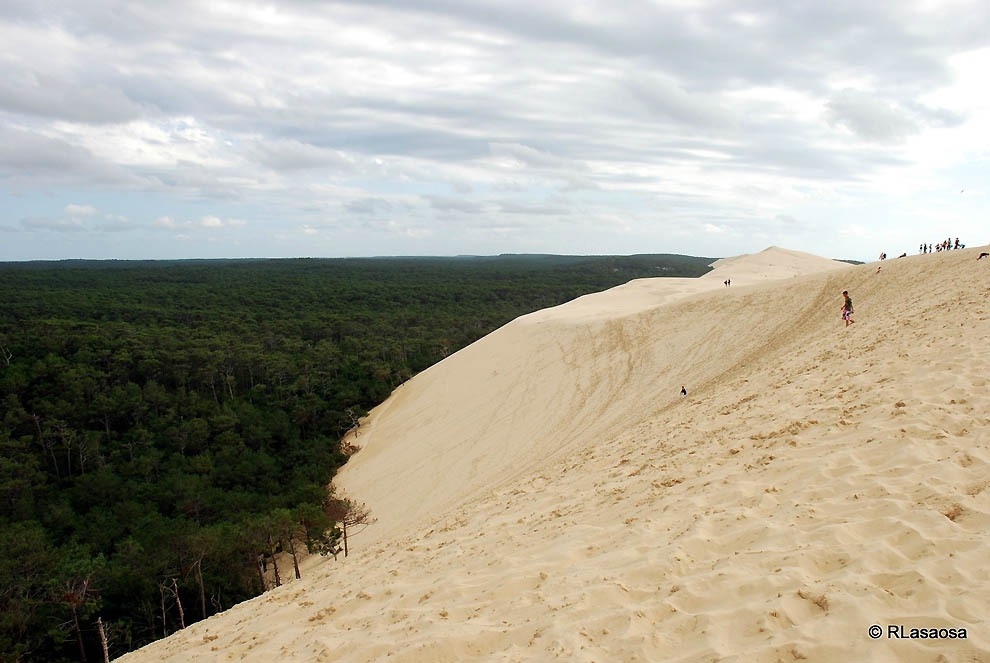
column 847, row 308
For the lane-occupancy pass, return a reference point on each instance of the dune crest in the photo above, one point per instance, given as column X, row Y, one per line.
column 770, row 264
column 547, row 493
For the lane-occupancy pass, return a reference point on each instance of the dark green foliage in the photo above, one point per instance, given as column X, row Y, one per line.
column 164, row 424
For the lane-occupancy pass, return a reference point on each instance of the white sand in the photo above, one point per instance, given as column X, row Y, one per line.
column 546, row 494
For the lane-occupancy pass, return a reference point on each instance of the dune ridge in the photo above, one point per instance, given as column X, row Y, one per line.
column 546, row 493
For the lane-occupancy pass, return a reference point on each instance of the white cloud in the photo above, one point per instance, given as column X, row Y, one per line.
column 713, row 229
column 854, row 230
column 207, row 222
column 56, row 225
column 870, row 118
column 80, row 210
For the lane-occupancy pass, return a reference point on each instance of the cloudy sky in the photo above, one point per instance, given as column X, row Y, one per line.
column 196, row 128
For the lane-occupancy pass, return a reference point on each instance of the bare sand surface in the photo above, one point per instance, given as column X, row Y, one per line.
column 548, row 494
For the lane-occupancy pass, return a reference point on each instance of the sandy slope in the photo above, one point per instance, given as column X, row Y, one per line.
column 547, row 494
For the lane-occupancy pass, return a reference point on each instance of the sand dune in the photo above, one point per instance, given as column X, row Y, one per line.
column 546, row 493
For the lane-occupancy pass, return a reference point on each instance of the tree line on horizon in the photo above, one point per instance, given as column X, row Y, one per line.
column 169, row 426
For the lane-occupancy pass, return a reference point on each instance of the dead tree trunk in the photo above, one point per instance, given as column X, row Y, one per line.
column 78, row 630
column 103, row 639
column 216, row 602
column 271, row 552
column 47, row 445
column 75, row 596
column 261, row 573
column 295, row 557
column 202, row 589
column 161, row 591
column 178, row 604
column 198, row 567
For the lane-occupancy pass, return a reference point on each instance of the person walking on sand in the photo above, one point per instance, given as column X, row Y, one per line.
column 847, row 308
